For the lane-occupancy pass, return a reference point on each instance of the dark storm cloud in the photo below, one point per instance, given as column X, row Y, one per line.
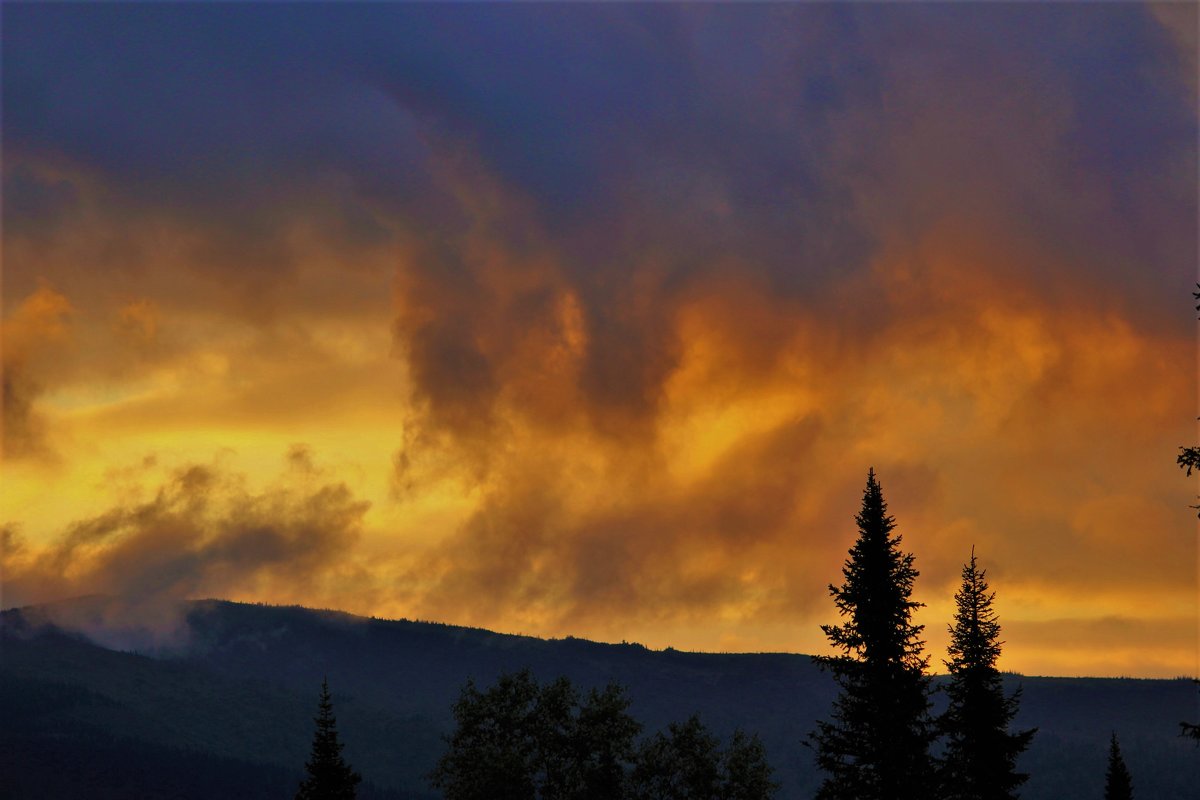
column 789, row 137
column 204, row 105
column 185, row 100
column 1069, row 128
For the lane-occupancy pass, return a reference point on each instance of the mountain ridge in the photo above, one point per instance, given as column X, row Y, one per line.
column 238, row 681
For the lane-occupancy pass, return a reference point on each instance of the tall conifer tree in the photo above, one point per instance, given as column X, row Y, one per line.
column 876, row 747
column 1117, row 784
column 329, row 776
column 981, row 754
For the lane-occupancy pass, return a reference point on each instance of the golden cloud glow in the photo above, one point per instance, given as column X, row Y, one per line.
column 496, row 435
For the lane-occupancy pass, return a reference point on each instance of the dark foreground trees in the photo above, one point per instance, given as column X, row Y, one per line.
column 981, row 754
column 687, row 762
column 329, row 776
column 876, row 747
column 520, row 740
column 1117, row 784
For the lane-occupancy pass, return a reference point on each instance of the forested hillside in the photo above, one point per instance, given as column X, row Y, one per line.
column 227, row 709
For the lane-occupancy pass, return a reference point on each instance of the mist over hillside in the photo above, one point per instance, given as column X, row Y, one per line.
column 214, row 694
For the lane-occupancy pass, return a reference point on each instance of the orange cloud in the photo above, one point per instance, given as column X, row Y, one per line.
column 202, row 532
column 599, row 431
column 1035, row 424
column 37, row 329
column 138, row 320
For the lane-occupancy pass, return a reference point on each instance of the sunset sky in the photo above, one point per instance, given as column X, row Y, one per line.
column 591, row 319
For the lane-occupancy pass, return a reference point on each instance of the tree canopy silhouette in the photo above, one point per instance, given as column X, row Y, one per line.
column 520, row 740
column 748, row 774
column 329, row 776
column 1117, row 782
column 686, row 763
column 682, row 763
column 981, row 754
column 876, row 747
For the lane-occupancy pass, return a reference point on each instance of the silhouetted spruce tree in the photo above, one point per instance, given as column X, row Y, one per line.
column 876, row 747
column 981, row 755
column 329, row 776
column 1117, row 785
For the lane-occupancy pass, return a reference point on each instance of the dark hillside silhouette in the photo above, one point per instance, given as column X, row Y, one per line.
column 236, row 700
column 877, row 745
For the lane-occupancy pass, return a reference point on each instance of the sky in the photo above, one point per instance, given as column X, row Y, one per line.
column 589, row 319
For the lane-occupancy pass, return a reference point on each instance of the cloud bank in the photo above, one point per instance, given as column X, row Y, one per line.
column 606, row 310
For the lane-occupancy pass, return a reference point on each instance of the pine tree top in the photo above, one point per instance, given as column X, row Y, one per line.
column 1118, row 783
column 329, row 776
column 974, row 636
column 876, row 595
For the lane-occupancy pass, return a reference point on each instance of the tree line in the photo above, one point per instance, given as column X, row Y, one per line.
column 522, row 740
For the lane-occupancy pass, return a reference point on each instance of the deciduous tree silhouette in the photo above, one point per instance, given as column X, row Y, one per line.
column 747, row 772
column 605, row 742
column 876, row 747
column 687, row 763
column 683, row 763
column 981, row 754
column 1117, row 784
column 492, row 752
column 521, row 740
column 329, row 776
